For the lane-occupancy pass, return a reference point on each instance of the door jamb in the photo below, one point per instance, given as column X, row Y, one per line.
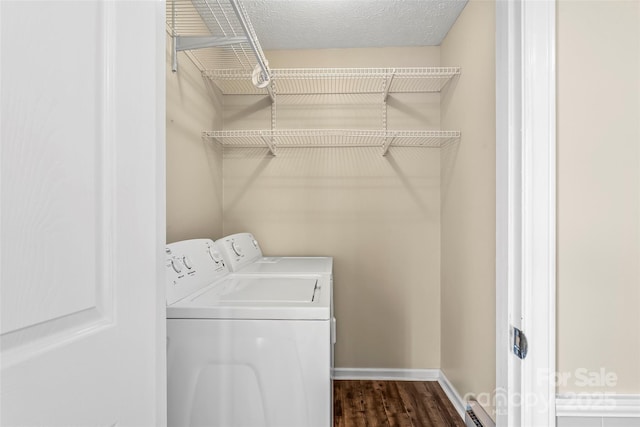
column 526, row 209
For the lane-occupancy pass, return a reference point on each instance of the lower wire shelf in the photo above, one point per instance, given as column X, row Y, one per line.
column 305, row 138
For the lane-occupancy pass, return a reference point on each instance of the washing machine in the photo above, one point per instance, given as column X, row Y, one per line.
column 245, row 350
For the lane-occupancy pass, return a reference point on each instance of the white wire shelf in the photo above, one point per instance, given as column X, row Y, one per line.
column 306, row 138
column 217, row 33
column 308, row 81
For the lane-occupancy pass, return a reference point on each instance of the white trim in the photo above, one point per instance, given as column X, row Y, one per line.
column 539, row 210
column 607, row 405
column 386, row 374
column 525, row 209
column 504, row 76
column 161, row 216
column 453, row 395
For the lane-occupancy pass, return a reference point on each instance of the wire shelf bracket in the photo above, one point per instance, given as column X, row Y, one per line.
column 201, row 42
column 387, row 86
column 269, row 143
column 387, row 143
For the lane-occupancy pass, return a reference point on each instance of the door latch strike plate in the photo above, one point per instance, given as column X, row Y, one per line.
column 520, row 344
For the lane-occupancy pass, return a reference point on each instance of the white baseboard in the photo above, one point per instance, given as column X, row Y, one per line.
column 453, row 395
column 600, row 405
column 405, row 375
column 386, row 374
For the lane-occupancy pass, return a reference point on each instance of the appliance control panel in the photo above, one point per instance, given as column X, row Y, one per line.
column 192, row 265
column 239, row 250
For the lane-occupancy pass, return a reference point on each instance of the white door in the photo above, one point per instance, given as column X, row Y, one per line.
column 82, row 184
column 525, row 195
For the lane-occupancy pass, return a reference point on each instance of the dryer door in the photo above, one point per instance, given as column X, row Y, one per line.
column 259, row 373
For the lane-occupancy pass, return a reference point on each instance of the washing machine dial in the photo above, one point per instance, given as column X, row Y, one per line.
column 187, row 262
column 215, row 255
column 175, row 264
column 236, row 248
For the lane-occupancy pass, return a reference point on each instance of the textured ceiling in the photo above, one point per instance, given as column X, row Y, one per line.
column 321, row 24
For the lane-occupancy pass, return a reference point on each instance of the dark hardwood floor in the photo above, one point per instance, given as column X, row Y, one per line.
column 392, row 403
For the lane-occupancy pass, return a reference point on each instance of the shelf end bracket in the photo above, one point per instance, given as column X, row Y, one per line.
column 387, row 87
column 200, row 42
column 269, row 142
column 387, row 143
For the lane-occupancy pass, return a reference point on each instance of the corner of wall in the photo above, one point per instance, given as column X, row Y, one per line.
column 468, row 206
column 194, row 165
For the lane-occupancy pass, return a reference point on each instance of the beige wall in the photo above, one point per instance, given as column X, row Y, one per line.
column 599, row 192
column 194, row 167
column 379, row 217
column 468, row 204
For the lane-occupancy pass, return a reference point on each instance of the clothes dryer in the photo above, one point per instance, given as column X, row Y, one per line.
column 245, row 350
column 242, row 254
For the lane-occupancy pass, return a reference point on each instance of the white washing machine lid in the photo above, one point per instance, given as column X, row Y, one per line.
column 258, row 297
column 289, row 265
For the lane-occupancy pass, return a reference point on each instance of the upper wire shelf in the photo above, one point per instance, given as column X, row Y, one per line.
column 218, row 34
column 309, row 81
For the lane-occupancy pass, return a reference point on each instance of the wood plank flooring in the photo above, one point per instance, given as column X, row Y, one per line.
column 392, row 404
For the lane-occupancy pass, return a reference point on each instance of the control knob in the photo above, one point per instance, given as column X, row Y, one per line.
column 175, row 264
column 236, row 248
column 215, row 255
column 187, row 262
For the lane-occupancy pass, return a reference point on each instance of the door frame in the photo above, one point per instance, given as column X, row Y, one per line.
column 526, row 210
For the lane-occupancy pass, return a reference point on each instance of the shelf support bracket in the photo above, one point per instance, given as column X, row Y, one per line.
column 272, row 94
column 174, row 52
column 200, row 42
column 274, row 107
column 388, row 85
column 272, row 148
column 181, row 43
column 387, row 143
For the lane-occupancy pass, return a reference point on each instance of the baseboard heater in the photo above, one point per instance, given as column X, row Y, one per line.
column 476, row 416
